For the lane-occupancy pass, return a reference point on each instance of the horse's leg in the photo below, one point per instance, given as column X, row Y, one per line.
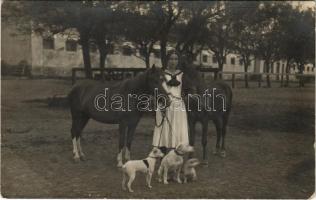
column 122, row 130
column 78, row 123
column 192, row 123
column 204, row 139
column 225, row 120
column 130, row 136
column 82, row 156
column 219, row 127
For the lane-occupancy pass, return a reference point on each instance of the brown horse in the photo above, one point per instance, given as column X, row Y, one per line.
column 218, row 111
column 114, row 104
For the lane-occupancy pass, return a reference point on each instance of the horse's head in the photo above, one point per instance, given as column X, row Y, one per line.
column 154, row 80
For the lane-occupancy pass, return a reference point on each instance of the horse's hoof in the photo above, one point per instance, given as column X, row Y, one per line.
column 83, row 158
column 204, row 162
column 215, row 152
column 223, row 154
column 76, row 159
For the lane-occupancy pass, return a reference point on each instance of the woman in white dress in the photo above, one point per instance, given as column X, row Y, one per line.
column 171, row 126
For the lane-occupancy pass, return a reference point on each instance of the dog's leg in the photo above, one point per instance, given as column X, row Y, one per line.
column 130, row 181
column 178, row 174
column 124, row 181
column 165, row 175
column 194, row 178
column 160, row 170
column 148, row 178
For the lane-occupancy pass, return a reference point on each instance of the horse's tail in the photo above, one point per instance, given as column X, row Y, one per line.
column 229, row 96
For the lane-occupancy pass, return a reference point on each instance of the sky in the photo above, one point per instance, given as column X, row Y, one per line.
column 304, row 4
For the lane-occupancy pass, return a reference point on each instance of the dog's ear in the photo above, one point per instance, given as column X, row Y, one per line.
column 155, row 150
column 179, row 147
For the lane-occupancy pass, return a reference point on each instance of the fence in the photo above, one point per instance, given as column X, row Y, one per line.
column 282, row 78
column 121, row 73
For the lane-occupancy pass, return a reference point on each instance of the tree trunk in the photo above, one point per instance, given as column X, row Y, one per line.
column 103, row 53
column 147, row 60
column 163, row 53
column 86, row 58
column 287, row 71
column 220, row 69
column 147, row 54
column 246, row 75
column 282, row 72
column 301, row 79
column 268, row 76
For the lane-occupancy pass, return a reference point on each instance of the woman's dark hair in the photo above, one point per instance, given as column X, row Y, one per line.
column 181, row 59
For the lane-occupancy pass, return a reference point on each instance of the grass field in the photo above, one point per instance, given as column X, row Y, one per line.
column 270, row 151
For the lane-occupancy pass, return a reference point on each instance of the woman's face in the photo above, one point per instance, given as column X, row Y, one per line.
column 173, row 61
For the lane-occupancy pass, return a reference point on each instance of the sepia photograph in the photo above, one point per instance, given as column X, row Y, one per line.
column 157, row 99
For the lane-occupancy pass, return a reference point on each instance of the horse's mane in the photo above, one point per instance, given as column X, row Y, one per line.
column 191, row 79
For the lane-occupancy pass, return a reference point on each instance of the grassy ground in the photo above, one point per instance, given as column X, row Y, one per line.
column 270, row 150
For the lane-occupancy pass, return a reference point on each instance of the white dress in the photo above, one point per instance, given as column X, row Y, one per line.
column 174, row 128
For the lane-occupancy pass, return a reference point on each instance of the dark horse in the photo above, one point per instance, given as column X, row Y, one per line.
column 218, row 109
column 89, row 99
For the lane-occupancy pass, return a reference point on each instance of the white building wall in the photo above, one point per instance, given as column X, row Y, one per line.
column 59, row 61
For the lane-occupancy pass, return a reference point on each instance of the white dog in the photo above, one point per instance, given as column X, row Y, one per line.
column 146, row 166
column 189, row 169
column 173, row 161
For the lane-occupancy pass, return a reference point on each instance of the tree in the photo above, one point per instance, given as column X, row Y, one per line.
column 244, row 30
column 141, row 27
column 86, row 17
column 268, row 36
column 220, row 33
column 190, row 31
column 166, row 13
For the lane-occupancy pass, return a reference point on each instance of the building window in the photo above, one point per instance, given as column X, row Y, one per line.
column 127, row 50
column 48, row 43
column 110, row 48
column 240, row 62
column 232, row 61
column 204, row 58
column 71, row 45
column 214, row 59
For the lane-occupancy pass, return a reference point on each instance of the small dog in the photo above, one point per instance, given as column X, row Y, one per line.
column 189, row 172
column 173, row 161
column 146, row 166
